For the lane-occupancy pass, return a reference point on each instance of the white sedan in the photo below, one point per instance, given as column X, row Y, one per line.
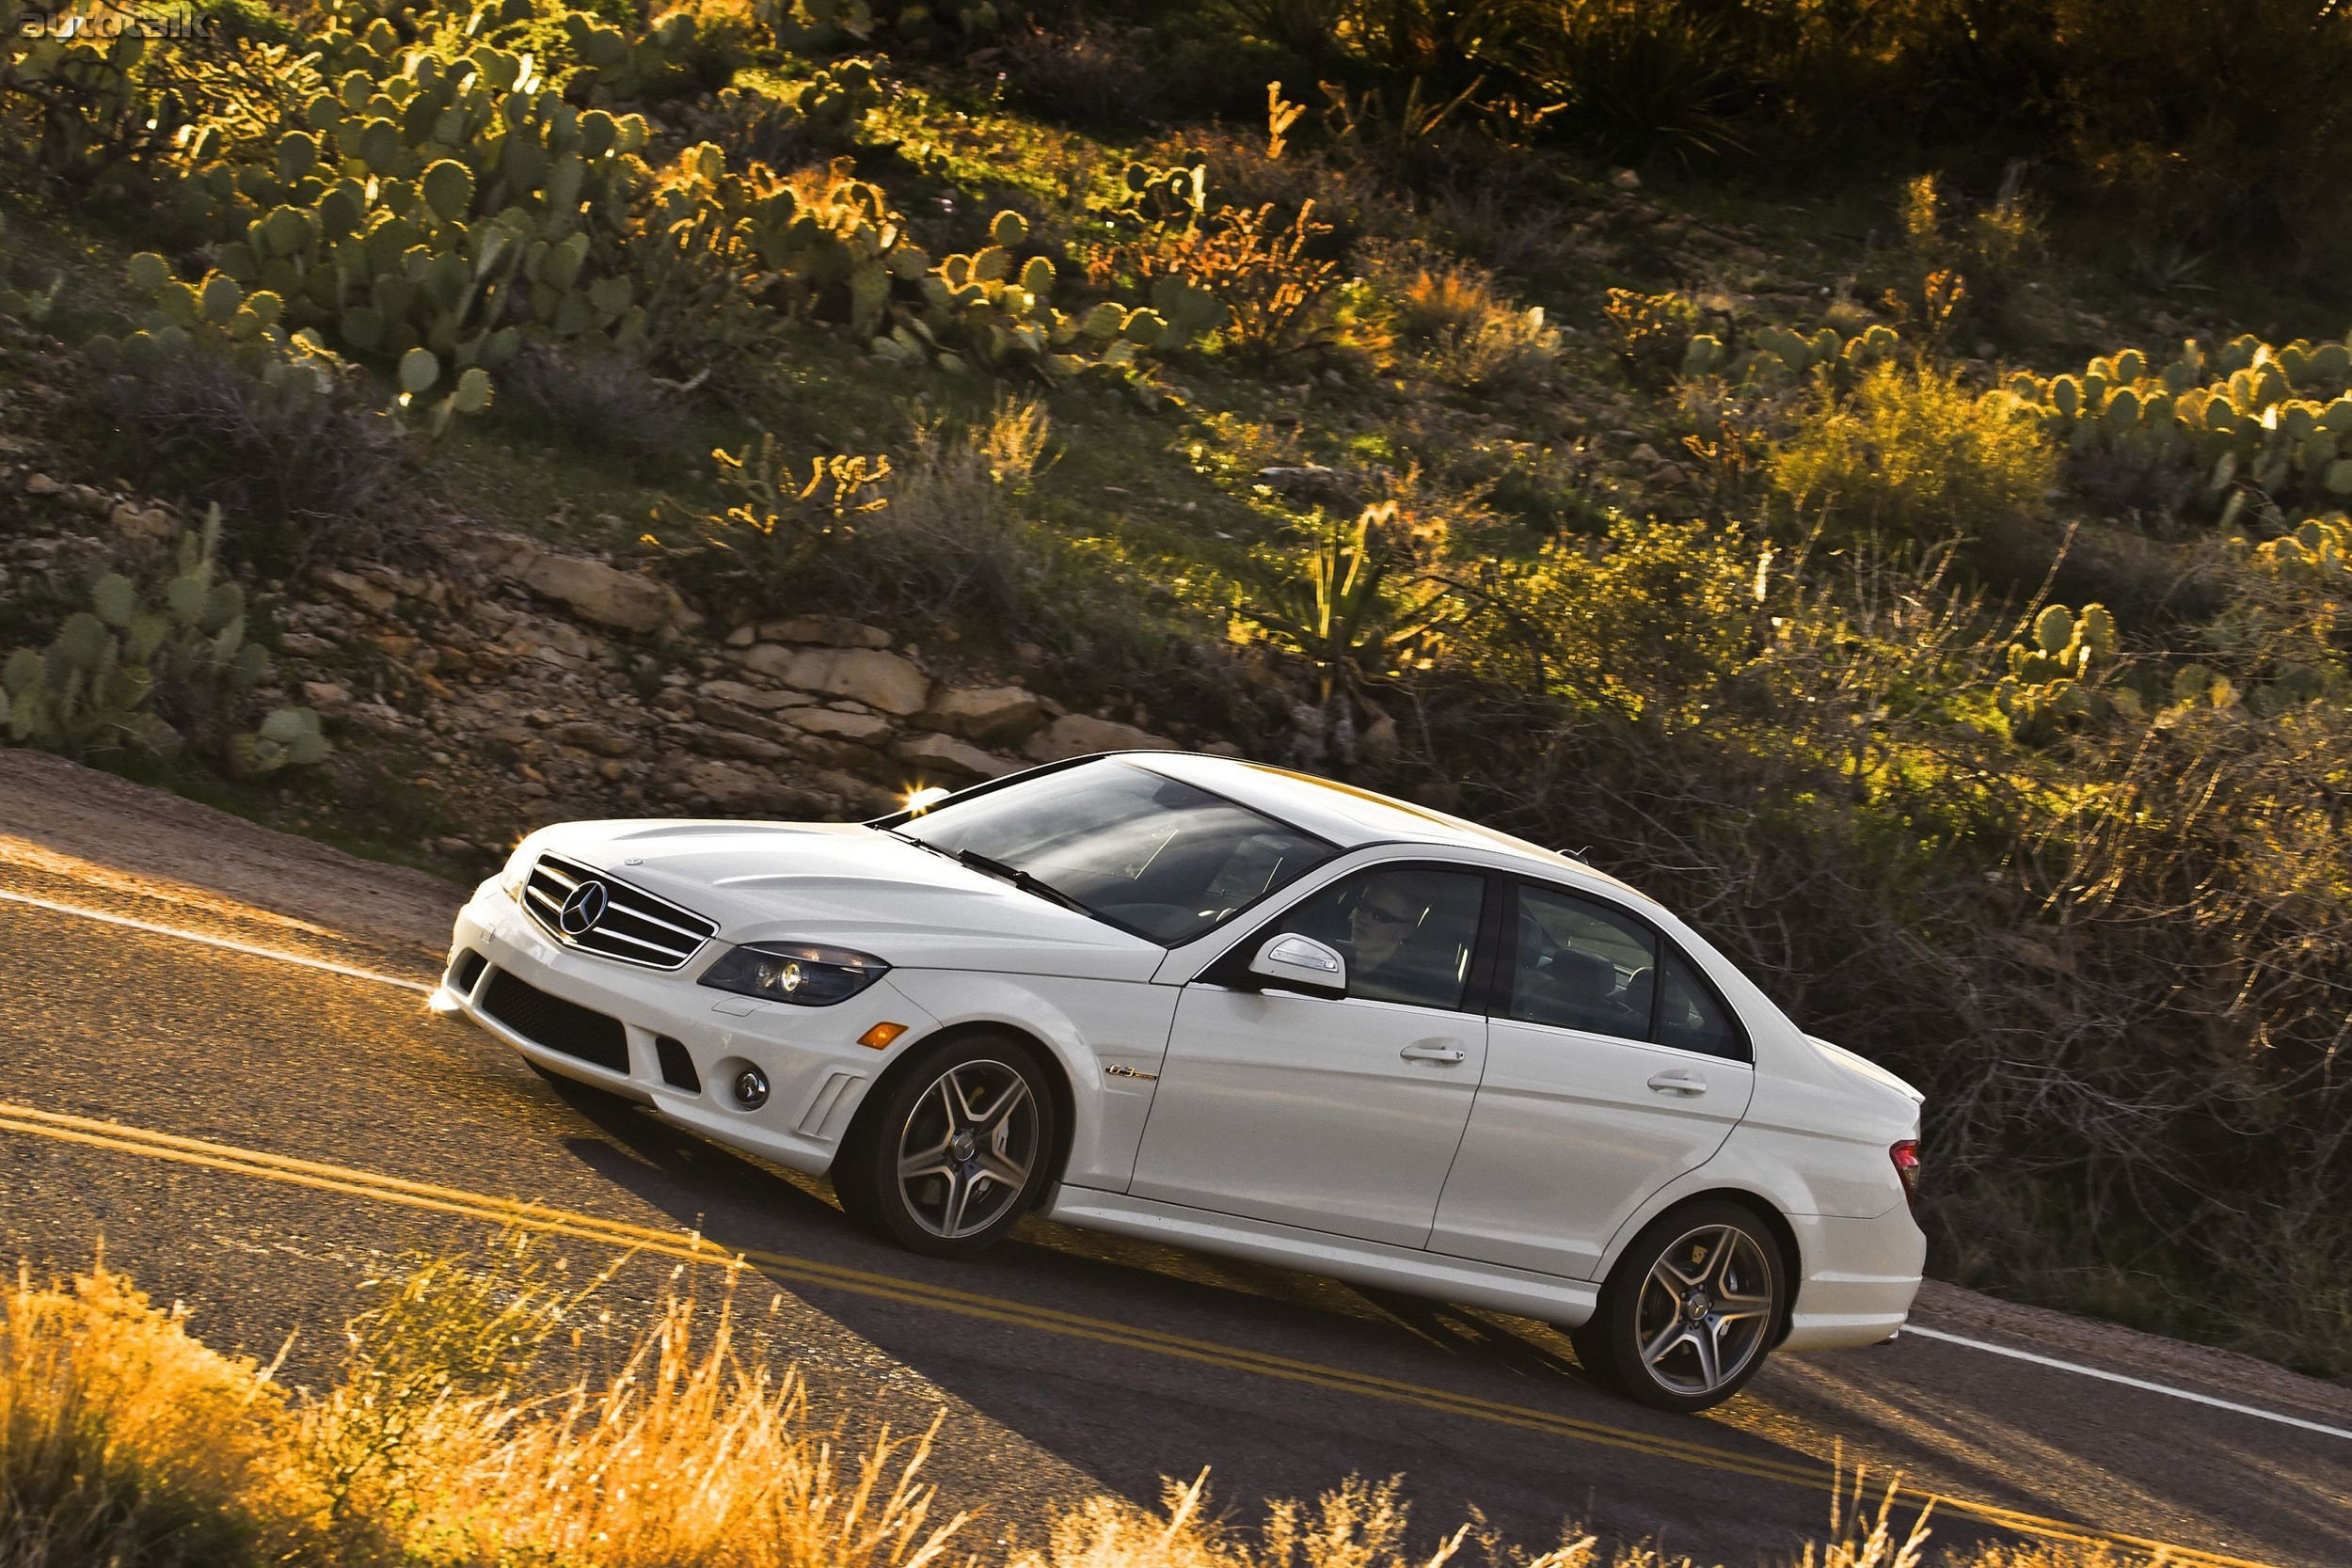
column 1232, row 1008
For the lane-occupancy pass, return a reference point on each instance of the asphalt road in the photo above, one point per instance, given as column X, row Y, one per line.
column 253, row 1137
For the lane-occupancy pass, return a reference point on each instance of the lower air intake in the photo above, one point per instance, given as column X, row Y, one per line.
column 558, row 1024
column 466, row 972
column 677, row 1065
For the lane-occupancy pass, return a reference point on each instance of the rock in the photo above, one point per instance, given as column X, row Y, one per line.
column 134, row 522
column 735, row 743
column 1306, row 482
column 830, row 630
column 303, row 644
column 327, row 696
column 878, row 679
column 862, row 727
column 730, row 787
column 1075, row 735
column 1378, row 743
column 359, row 591
column 958, row 758
column 759, row 697
column 603, row 739
column 1626, row 180
column 1222, row 749
column 742, row 637
column 41, row 484
column 985, row 713
column 727, row 716
column 624, row 600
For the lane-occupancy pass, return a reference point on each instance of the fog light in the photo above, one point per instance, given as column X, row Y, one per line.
column 751, row 1089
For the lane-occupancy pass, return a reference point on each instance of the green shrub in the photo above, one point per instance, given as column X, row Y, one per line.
column 1915, row 454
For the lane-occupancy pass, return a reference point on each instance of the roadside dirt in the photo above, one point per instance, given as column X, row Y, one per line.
column 63, row 820
column 66, row 824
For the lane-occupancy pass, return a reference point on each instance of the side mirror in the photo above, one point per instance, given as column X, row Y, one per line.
column 1301, row 963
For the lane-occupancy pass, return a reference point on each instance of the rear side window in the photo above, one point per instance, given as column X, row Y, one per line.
column 1575, row 962
column 1581, row 965
column 1691, row 1018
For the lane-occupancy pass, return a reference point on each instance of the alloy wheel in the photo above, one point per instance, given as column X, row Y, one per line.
column 967, row 1149
column 1705, row 1310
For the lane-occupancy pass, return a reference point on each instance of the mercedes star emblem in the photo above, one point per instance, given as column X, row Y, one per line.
column 583, row 909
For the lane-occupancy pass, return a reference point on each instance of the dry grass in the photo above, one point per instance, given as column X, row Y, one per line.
column 126, row 1442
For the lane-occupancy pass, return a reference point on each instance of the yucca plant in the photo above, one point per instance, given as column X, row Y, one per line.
column 1355, row 611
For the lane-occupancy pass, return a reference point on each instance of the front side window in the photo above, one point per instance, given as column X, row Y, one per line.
column 1157, row 857
column 1407, row 934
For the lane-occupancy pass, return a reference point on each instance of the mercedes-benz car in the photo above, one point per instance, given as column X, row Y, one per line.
column 1237, row 1008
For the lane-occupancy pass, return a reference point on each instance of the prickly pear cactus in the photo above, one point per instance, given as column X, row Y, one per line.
column 431, row 192
column 100, row 684
column 2046, row 689
column 2267, row 431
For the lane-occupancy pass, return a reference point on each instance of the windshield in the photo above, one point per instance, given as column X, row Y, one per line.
column 1160, row 858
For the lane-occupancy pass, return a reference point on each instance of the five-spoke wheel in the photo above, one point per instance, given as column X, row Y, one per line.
column 1690, row 1310
column 955, row 1153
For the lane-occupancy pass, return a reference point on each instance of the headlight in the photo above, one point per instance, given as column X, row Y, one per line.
column 802, row 973
column 517, row 870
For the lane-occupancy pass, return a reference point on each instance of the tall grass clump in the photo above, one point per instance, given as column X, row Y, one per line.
column 125, row 1441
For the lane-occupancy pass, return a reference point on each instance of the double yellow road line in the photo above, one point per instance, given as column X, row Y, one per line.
column 115, row 1137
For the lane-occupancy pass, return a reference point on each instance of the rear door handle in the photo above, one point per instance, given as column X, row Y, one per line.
column 1678, row 1081
column 1446, row 1055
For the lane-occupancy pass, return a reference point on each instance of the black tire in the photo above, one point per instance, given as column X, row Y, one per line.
column 993, row 1087
column 1716, row 1255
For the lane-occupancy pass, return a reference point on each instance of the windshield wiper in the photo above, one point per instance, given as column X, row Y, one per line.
column 1023, row 880
column 995, row 868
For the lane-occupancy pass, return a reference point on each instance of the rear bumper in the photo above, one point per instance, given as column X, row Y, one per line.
column 1860, row 1277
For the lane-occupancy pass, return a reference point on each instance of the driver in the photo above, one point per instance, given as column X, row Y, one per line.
column 1393, row 951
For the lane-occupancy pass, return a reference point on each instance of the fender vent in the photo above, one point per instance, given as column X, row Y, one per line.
column 558, row 1024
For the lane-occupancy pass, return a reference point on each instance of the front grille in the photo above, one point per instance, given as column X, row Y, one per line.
column 466, row 970
column 633, row 927
column 677, row 1065
column 558, row 1024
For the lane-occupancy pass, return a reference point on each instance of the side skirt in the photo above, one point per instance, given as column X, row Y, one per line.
column 1406, row 1270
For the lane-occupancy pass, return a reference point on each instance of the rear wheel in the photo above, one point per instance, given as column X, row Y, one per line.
column 956, row 1153
column 1691, row 1309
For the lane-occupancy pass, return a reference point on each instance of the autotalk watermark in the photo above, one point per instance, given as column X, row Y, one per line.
column 98, row 20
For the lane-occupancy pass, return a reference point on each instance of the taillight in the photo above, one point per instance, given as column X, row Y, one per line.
column 1906, row 1157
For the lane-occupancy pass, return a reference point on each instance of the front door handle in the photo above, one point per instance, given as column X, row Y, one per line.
column 1678, row 1081
column 1433, row 1050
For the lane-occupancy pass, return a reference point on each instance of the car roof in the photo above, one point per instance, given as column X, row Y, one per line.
column 1350, row 816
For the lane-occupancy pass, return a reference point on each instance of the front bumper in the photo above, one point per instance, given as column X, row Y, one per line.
column 817, row 1071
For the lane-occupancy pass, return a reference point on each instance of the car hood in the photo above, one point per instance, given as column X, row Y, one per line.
column 855, row 887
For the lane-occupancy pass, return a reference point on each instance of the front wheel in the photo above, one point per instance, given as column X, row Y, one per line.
column 956, row 1153
column 1690, row 1312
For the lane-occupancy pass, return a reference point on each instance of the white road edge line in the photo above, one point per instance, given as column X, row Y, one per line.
column 277, row 953
column 1924, row 1333
column 2080, row 1369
